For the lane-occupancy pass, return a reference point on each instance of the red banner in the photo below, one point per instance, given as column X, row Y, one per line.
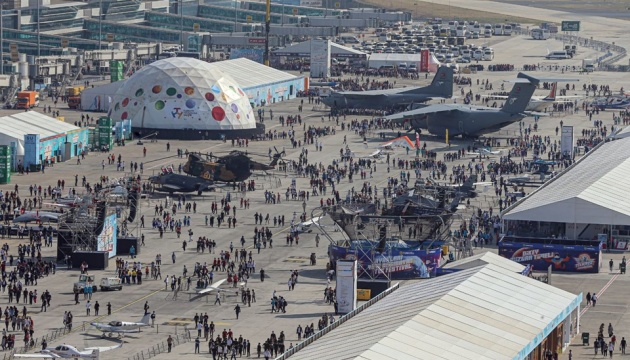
column 424, row 60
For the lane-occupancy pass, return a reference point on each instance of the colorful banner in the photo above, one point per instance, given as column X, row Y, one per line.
column 570, row 258
column 398, row 261
column 346, row 289
column 106, row 241
column 424, row 60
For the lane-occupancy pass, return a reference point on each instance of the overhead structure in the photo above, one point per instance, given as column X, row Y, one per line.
column 582, row 195
column 184, row 98
column 486, row 312
column 304, row 49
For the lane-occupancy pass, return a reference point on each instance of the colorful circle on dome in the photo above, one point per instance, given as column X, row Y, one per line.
column 241, row 92
column 171, row 91
column 156, row 89
column 190, row 103
column 218, row 113
column 117, row 107
column 234, row 108
column 135, row 103
column 238, row 116
column 179, row 96
column 124, row 116
column 139, row 92
column 125, row 102
column 189, row 90
column 223, row 97
column 215, row 89
column 209, row 96
column 159, row 105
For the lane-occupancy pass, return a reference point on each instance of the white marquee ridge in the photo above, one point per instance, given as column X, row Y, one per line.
column 250, row 74
column 487, row 312
column 304, row 49
column 593, row 191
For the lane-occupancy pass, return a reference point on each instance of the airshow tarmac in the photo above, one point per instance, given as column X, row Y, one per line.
column 306, row 303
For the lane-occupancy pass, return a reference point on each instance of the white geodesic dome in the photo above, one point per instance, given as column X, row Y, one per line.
column 182, row 93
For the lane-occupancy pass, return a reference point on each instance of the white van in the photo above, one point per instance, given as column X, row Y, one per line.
column 478, row 54
column 488, row 54
column 540, row 34
column 498, row 29
column 507, row 30
column 111, row 283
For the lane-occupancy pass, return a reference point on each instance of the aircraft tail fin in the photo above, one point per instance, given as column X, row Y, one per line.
column 519, row 97
column 442, row 84
column 552, row 93
column 95, row 355
column 146, row 319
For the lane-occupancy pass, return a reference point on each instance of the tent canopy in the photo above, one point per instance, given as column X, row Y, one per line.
column 593, row 191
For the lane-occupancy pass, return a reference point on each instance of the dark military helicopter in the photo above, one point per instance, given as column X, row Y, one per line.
column 175, row 183
column 236, row 166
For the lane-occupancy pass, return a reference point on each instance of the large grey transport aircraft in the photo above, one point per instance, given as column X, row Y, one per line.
column 441, row 87
column 470, row 120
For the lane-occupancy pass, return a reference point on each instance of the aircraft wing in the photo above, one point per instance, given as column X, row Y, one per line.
column 431, row 109
column 171, row 187
column 535, row 113
column 37, row 356
column 105, row 348
column 216, row 284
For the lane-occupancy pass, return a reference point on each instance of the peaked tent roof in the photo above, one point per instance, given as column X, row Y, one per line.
column 592, row 191
column 488, row 312
column 249, row 74
column 303, row 49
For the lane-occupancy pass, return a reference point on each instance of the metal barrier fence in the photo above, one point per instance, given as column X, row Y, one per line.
column 161, row 347
column 337, row 323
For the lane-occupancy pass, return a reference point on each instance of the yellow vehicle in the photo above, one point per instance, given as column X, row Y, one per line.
column 75, row 90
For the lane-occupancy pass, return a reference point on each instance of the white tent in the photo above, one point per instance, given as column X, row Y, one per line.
column 15, row 126
column 101, row 97
column 182, row 93
column 377, row 60
column 593, row 191
column 303, row 49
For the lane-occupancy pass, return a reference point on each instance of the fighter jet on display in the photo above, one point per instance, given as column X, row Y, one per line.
column 441, row 87
column 122, row 327
column 175, row 183
column 40, row 216
column 69, row 352
column 473, row 121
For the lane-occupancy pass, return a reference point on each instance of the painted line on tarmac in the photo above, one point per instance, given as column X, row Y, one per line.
column 599, row 294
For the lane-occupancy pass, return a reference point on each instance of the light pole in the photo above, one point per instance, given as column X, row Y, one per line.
column 38, row 15
column 1, row 39
column 181, row 25
column 100, row 24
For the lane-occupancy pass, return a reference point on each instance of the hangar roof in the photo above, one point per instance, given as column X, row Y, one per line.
column 592, row 191
column 487, row 312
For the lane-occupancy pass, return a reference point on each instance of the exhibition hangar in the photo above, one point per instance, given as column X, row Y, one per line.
column 186, row 98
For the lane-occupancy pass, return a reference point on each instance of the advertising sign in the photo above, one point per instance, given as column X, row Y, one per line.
column 346, row 285
column 570, row 258
column 32, row 149
column 424, row 60
column 320, row 58
column 106, row 241
column 570, row 26
column 566, row 141
column 399, row 261
column 5, row 164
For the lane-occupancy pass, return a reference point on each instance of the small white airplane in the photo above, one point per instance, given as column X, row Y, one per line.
column 122, row 327
column 69, row 352
column 306, row 227
column 213, row 287
column 484, row 152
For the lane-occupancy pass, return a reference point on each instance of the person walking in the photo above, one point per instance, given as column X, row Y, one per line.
column 622, row 345
column 169, row 342
column 173, row 257
column 96, row 307
column 197, row 342
column 109, row 308
column 594, row 299
column 88, row 308
column 237, row 310
column 218, row 299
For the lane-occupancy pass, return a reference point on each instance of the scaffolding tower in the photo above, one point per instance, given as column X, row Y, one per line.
column 80, row 226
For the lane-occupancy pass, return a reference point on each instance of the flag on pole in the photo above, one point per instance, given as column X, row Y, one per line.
column 417, row 140
column 446, row 136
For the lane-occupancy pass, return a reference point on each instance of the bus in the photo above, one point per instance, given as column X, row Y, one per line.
column 507, row 30
column 540, row 34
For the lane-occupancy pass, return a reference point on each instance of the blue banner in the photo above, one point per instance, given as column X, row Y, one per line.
column 399, row 261
column 256, row 55
column 570, row 258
